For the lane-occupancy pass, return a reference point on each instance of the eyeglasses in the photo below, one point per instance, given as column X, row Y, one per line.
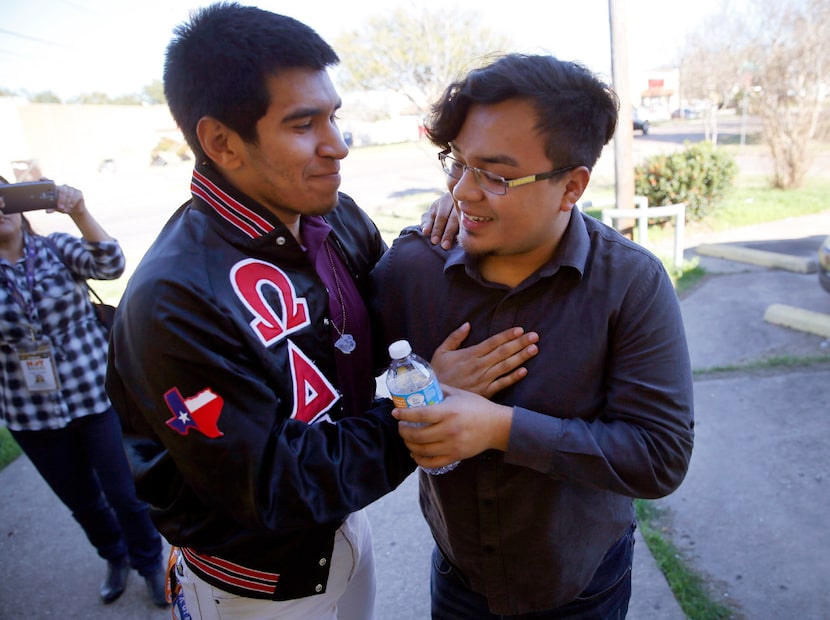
column 488, row 181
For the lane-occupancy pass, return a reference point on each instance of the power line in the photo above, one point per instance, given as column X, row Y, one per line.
column 80, row 7
column 29, row 38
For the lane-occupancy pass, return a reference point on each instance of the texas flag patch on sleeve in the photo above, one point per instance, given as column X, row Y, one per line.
column 200, row 412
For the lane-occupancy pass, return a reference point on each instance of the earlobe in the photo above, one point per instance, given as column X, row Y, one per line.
column 575, row 187
column 218, row 142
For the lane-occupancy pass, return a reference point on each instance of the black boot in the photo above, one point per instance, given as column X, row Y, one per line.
column 115, row 581
column 155, row 586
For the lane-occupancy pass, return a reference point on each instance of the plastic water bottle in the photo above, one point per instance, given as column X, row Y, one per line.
column 412, row 383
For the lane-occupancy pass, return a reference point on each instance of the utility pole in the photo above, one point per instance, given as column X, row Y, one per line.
column 624, row 137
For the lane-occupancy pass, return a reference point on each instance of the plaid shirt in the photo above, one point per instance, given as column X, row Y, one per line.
column 63, row 315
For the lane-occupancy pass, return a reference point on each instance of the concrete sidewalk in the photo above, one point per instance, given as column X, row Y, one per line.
column 750, row 517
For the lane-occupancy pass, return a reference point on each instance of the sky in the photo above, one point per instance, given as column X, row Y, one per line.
column 117, row 46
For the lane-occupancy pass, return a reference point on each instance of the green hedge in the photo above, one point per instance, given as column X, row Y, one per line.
column 699, row 176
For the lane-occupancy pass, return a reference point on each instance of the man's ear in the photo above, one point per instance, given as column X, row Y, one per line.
column 221, row 144
column 578, row 179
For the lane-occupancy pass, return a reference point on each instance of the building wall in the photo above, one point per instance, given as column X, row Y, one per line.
column 69, row 142
column 659, row 92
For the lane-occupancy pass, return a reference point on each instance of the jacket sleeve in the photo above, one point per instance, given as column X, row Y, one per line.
column 233, row 447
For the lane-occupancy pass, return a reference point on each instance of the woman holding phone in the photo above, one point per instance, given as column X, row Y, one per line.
column 53, row 353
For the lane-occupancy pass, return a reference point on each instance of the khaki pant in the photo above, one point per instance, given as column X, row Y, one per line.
column 349, row 595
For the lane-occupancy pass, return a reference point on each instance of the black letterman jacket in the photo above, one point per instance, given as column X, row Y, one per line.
column 222, row 370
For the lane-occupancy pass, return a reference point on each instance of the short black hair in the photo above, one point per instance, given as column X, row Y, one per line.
column 217, row 65
column 577, row 112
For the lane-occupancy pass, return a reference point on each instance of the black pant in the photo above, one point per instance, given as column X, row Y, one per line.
column 605, row 598
column 85, row 465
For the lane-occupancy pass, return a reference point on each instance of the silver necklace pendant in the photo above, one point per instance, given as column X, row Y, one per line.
column 345, row 343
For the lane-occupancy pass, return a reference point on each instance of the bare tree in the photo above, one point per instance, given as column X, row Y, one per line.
column 416, row 50
column 793, row 58
column 779, row 52
column 710, row 66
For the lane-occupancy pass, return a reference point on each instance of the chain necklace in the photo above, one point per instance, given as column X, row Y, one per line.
column 345, row 343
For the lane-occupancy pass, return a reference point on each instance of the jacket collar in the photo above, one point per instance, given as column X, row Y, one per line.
column 247, row 216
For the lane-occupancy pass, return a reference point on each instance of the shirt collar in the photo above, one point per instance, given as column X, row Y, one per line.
column 572, row 251
column 573, row 248
column 315, row 230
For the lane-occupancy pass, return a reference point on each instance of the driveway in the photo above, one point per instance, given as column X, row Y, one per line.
column 751, row 516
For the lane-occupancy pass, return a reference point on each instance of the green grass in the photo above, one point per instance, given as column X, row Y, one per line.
column 405, row 212
column 772, row 363
column 9, row 450
column 689, row 588
column 686, row 276
column 750, row 202
column 753, row 202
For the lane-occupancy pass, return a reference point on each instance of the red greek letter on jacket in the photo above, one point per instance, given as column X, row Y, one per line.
column 313, row 394
column 250, row 278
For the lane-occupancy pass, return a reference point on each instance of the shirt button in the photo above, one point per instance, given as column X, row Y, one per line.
column 322, row 561
column 280, row 241
column 318, row 587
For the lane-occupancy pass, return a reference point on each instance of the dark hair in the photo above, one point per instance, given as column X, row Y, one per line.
column 27, row 226
column 218, row 62
column 577, row 111
column 24, row 223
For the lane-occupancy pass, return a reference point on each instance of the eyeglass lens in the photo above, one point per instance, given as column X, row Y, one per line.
column 486, row 180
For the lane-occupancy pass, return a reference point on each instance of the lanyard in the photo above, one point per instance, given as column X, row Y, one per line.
column 11, row 283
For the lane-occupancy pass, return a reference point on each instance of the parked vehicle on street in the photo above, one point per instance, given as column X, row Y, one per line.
column 685, row 113
column 640, row 122
column 824, row 264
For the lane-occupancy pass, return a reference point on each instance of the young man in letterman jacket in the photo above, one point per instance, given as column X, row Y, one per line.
column 241, row 361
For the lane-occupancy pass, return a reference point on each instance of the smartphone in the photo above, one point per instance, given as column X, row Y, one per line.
column 31, row 196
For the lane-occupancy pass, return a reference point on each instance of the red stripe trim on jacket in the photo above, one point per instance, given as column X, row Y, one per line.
column 230, row 573
column 229, row 208
column 225, row 214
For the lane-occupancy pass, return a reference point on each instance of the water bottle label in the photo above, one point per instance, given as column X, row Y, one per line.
column 428, row 395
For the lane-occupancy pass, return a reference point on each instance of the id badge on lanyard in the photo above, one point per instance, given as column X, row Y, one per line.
column 37, row 361
column 36, row 357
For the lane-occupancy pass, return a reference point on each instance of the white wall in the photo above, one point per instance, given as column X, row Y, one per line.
column 70, row 141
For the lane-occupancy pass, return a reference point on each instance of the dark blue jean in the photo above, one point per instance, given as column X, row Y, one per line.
column 85, row 465
column 605, row 598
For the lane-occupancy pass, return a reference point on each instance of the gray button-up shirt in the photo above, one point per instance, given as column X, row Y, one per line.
column 604, row 415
